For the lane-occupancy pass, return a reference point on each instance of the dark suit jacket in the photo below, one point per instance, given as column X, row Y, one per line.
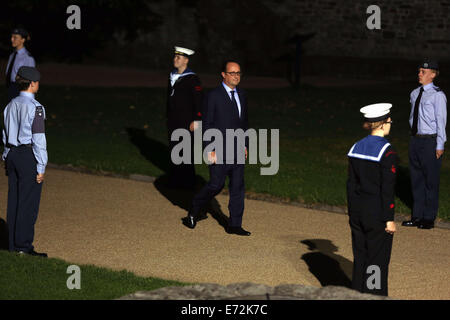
column 220, row 113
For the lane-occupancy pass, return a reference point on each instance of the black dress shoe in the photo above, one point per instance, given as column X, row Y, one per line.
column 189, row 221
column 34, row 253
column 238, row 230
column 426, row 224
column 411, row 223
column 201, row 217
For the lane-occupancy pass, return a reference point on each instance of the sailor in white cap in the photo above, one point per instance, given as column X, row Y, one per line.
column 370, row 196
column 184, row 108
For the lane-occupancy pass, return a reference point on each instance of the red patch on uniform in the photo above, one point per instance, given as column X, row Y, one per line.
column 393, row 169
column 198, row 88
column 392, row 206
column 199, row 114
column 389, row 153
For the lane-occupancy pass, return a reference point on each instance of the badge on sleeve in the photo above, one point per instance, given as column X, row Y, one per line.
column 38, row 125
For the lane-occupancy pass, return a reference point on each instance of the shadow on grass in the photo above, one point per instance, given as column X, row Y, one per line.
column 158, row 154
column 328, row 267
column 403, row 186
column 3, row 235
column 152, row 150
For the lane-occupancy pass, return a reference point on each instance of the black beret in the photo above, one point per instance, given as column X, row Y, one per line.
column 21, row 31
column 29, row 73
column 429, row 64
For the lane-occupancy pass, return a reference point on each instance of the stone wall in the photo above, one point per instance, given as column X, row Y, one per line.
column 257, row 33
column 410, row 29
column 251, row 291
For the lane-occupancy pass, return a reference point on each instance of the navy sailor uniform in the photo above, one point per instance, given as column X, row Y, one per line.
column 184, row 105
column 370, row 196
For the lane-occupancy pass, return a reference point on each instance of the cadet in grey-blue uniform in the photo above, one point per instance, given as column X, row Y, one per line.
column 20, row 57
column 427, row 119
column 26, row 158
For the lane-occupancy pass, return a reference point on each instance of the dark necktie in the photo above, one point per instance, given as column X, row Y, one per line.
column 233, row 100
column 416, row 113
column 10, row 67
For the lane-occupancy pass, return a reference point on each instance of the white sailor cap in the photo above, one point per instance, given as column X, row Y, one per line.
column 184, row 51
column 376, row 112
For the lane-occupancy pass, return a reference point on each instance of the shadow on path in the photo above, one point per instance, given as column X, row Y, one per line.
column 158, row 154
column 328, row 267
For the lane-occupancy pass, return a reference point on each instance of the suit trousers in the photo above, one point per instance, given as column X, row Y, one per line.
column 24, row 196
column 372, row 247
column 424, row 169
column 218, row 174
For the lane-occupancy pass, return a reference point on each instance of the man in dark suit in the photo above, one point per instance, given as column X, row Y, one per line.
column 225, row 108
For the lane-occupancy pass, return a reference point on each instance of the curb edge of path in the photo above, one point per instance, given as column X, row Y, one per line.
column 439, row 223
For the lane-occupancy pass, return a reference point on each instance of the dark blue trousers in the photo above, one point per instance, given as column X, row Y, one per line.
column 24, row 196
column 372, row 246
column 218, row 174
column 424, row 169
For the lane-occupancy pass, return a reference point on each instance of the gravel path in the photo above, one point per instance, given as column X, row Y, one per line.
column 134, row 225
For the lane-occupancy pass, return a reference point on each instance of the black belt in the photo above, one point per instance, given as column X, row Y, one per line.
column 425, row 136
column 19, row 146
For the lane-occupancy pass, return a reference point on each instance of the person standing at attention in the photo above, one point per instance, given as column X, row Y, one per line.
column 372, row 172
column 20, row 57
column 25, row 155
column 427, row 119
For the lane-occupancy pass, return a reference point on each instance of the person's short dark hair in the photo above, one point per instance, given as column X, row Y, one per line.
column 22, row 83
column 373, row 125
column 226, row 62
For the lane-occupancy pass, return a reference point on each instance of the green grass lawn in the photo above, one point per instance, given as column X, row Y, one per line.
column 33, row 278
column 123, row 130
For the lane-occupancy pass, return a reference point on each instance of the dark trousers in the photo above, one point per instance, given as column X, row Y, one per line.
column 24, row 196
column 372, row 246
column 424, row 169
column 13, row 91
column 181, row 175
column 218, row 174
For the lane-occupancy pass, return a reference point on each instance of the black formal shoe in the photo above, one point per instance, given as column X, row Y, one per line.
column 190, row 221
column 411, row 223
column 238, row 230
column 201, row 217
column 426, row 224
column 34, row 253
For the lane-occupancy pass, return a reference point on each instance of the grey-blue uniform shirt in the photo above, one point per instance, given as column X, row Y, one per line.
column 24, row 124
column 432, row 113
column 23, row 58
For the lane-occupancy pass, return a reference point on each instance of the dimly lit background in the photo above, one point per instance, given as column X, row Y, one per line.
column 261, row 34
